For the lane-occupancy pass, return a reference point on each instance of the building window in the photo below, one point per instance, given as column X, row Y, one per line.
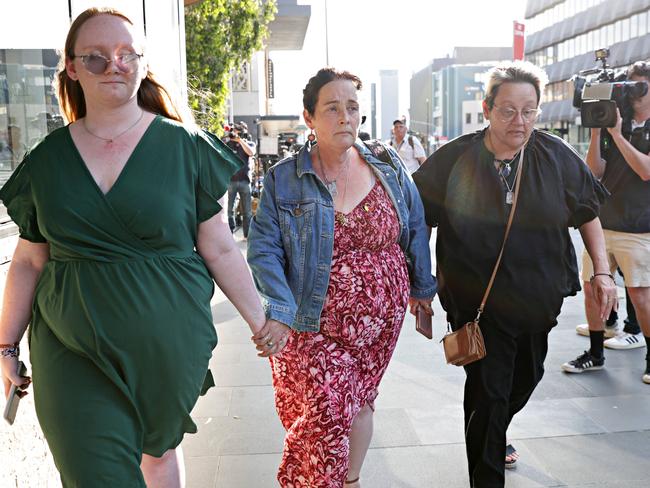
column 28, row 106
column 617, row 31
column 548, row 93
column 468, row 118
column 550, row 55
column 625, row 29
column 643, row 27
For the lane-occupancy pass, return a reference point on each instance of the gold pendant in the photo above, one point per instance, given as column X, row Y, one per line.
column 340, row 218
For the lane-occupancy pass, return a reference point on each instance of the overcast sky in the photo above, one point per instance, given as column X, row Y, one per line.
column 366, row 36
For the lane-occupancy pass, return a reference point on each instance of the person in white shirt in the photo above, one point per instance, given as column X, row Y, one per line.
column 408, row 146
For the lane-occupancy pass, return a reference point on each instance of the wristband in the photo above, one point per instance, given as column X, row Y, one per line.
column 602, row 274
column 9, row 350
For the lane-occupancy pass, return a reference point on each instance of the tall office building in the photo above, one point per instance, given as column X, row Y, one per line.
column 388, row 101
column 439, row 91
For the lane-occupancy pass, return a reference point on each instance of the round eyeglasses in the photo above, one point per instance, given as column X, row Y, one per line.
column 508, row 114
column 97, row 64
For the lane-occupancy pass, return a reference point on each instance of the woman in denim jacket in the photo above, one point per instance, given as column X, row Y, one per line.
column 338, row 248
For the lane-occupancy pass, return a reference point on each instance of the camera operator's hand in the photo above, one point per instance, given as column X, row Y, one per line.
column 616, row 130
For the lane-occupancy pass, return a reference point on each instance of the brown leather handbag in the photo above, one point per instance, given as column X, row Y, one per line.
column 466, row 345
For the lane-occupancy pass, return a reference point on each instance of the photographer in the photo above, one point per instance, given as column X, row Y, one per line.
column 240, row 183
column 622, row 163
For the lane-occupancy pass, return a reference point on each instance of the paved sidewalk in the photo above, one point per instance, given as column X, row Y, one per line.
column 586, row 430
column 578, row 431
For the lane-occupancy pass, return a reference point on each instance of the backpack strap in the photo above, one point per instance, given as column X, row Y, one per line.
column 380, row 151
column 411, row 143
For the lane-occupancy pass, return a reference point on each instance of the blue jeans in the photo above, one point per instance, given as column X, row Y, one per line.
column 243, row 188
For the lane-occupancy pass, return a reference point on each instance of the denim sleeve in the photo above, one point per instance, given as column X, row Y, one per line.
column 418, row 254
column 267, row 259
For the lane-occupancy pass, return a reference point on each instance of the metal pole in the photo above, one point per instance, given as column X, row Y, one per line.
column 266, row 79
column 327, row 43
column 231, row 109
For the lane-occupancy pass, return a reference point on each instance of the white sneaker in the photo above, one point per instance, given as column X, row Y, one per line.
column 625, row 341
column 583, row 330
column 646, row 376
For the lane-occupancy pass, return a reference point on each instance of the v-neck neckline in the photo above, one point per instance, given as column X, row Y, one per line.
column 360, row 202
column 124, row 168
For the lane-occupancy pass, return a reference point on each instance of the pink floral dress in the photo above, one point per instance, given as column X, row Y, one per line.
column 322, row 380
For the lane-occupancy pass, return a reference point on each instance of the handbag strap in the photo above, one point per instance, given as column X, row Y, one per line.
column 520, row 170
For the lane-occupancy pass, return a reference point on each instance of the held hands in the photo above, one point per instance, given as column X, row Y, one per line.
column 604, row 293
column 424, row 303
column 8, row 373
column 271, row 339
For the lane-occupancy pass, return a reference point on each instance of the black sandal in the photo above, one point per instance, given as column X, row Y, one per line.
column 511, row 457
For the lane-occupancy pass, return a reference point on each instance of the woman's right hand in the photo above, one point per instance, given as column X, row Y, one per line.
column 9, row 375
column 271, row 338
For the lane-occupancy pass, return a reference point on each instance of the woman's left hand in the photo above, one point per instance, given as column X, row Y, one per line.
column 605, row 294
column 416, row 303
column 271, row 338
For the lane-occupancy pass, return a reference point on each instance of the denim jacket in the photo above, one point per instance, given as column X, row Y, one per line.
column 291, row 238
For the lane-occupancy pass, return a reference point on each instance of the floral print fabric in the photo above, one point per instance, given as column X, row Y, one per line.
column 322, row 380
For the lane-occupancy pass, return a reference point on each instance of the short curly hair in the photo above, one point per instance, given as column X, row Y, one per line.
column 319, row 80
column 514, row 72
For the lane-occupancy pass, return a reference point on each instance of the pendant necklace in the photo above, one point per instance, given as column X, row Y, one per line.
column 331, row 184
column 504, row 171
column 109, row 140
column 341, row 218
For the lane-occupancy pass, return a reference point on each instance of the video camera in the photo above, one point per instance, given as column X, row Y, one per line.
column 598, row 91
column 239, row 131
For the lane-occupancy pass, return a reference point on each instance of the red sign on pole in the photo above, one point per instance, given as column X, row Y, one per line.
column 518, row 41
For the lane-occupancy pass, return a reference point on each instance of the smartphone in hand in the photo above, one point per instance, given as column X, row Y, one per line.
column 12, row 400
column 423, row 323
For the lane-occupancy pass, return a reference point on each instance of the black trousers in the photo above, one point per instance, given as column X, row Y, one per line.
column 496, row 388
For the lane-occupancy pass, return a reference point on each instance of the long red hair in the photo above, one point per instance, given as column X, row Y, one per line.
column 152, row 96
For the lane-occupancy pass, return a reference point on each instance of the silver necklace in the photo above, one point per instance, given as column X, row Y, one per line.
column 341, row 217
column 509, row 189
column 331, row 184
column 504, row 171
column 109, row 140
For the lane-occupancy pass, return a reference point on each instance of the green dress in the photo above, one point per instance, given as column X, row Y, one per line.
column 121, row 332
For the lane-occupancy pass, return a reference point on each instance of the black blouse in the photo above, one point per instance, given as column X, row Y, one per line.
column 465, row 197
column 628, row 209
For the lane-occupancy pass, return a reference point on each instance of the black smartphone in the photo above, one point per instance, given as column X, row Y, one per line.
column 13, row 399
column 423, row 323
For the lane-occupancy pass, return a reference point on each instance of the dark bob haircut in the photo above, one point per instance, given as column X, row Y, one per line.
column 320, row 79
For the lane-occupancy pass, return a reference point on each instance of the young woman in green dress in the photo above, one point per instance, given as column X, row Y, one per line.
column 121, row 237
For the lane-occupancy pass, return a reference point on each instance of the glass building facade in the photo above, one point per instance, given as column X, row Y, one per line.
column 562, row 37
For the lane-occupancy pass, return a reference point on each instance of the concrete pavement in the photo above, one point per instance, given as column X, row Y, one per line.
column 578, row 431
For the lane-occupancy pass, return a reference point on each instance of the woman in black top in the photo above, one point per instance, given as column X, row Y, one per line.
column 467, row 188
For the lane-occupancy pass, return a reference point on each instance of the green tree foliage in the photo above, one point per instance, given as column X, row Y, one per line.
column 220, row 35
